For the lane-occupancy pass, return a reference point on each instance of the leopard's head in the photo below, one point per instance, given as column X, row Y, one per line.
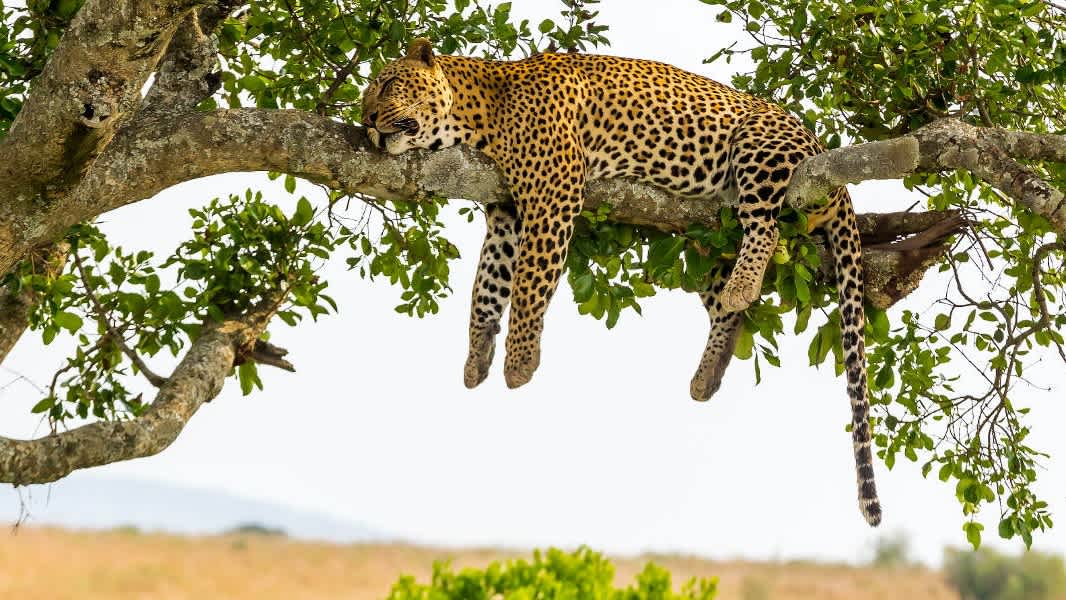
column 408, row 101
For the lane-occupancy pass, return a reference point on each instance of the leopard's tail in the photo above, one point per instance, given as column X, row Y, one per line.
column 843, row 235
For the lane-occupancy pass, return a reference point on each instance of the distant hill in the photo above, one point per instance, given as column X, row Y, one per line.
column 86, row 501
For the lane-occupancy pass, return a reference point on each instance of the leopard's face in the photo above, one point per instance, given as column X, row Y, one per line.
column 406, row 104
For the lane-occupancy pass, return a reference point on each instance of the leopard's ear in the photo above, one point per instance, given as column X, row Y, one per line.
column 421, row 49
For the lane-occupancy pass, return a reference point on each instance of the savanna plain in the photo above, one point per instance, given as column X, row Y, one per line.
column 55, row 564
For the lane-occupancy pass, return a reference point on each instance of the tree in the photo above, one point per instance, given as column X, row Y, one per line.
column 963, row 101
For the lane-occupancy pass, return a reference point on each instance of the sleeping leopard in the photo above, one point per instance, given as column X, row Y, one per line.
column 551, row 122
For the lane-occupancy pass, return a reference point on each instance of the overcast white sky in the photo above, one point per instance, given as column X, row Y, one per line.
column 604, row 447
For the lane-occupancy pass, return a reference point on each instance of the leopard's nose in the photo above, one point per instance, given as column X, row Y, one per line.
column 371, row 119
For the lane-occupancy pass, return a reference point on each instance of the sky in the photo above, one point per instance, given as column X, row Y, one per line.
column 604, row 447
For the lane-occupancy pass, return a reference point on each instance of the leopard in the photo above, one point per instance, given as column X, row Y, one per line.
column 552, row 122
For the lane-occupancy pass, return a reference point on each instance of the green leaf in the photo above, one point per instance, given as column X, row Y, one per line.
column 43, row 405
column 945, row 472
column 1006, row 528
column 253, row 83
column 248, row 375
column 582, row 286
column 304, row 213
column 66, row 9
column 69, row 321
column 973, row 533
column 745, row 344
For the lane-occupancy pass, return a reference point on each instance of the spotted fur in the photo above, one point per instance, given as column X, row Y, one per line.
column 553, row 121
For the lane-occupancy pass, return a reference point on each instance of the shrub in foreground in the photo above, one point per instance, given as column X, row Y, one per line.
column 551, row 575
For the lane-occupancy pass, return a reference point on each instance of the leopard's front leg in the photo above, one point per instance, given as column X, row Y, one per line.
column 492, row 290
column 548, row 195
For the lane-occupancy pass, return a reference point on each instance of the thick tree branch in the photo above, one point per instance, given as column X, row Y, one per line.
column 160, row 153
column 197, row 379
column 155, row 154
column 945, row 144
column 92, row 78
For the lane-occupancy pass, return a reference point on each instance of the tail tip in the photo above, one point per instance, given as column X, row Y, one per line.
column 872, row 513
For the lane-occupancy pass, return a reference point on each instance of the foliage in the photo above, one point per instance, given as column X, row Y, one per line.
column 611, row 266
column 552, row 575
column 317, row 55
column 944, row 380
column 244, row 253
column 989, row 575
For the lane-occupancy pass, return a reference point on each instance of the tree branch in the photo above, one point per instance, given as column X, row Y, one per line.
column 197, row 379
column 159, row 153
column 945, row 144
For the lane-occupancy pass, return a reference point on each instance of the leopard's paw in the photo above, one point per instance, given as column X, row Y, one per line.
column 518, row 371
column 738, row 294
column 704, row 384
column 476, row 370
column 478, row 361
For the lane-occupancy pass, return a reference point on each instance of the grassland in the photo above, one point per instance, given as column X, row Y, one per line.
column 49, row 564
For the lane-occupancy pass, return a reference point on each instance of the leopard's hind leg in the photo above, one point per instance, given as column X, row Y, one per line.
column 492, row 290
column 725, row 326
column 765, row 151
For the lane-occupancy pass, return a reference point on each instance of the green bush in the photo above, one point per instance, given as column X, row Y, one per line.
column 990, row 575
column 552, row 575
column 891, row 551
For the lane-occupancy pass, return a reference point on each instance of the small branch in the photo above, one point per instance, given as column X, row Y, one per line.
column 1038, row 291
column 951, row 222
column 113, row 334
column 883, row 229
column 341, row 75
column 268, row 354
column 822, row 173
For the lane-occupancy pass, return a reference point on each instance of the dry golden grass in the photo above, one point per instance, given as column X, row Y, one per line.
column 49, row 564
